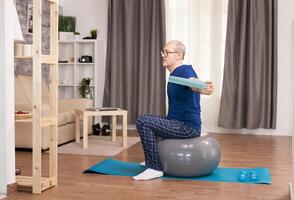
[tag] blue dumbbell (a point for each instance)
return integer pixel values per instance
(243, 176)
(253, 176)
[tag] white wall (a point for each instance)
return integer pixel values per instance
(285, 67)
(91, 14)
(3, 156)
(7, 144)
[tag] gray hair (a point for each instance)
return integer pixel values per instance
(180, 47)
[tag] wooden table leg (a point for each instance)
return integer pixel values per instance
(113, 128)
(78, 126)
(125, 129)
(85, 131)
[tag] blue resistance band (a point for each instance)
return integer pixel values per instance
(193, 83)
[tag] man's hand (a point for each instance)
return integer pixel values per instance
(208, 89)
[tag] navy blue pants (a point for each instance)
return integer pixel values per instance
(151, 127)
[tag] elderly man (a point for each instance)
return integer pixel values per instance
(183, 119)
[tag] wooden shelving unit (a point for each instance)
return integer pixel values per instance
(37, 182)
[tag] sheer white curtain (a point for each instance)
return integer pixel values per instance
(201, 26)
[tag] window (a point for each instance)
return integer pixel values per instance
(201, 26)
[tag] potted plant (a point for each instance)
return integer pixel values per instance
(77, 35)
(85, 89)
(66, 27)
(94, 33)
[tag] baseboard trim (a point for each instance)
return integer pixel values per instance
(11, 188)
(260, 131)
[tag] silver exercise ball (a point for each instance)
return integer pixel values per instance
(189, 157)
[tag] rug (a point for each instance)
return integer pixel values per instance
(97, 146)
(221, 174)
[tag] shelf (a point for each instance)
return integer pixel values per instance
(77, 41)
(46, 59)
(52, 1)
(85, 63)
(86, 41)
(36, 182)
(45, 121)
(73, 85)
(27, 182)
(66, 64)
(66, 41)
(74, 72)
(66, 85)
(23, 57)
(76, 63)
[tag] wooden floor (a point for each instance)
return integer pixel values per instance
(237, 151)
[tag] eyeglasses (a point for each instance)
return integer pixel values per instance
(166, 53)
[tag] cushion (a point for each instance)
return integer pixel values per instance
(66, 118)
(23, 90)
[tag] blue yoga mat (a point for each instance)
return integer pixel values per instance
(242, 175)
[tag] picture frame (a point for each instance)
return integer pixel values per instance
(30, 19)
